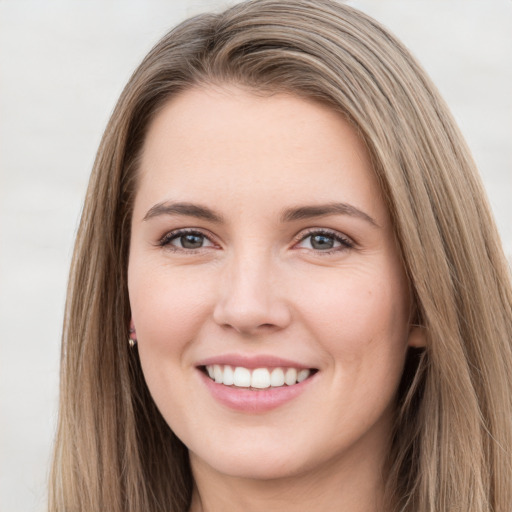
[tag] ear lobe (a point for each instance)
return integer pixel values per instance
(417, 337)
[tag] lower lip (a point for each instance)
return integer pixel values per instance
(254, 401)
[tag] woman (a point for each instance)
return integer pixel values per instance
(285, 222)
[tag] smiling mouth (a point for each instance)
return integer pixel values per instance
(257, 378)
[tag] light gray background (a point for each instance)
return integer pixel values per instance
(62, 66)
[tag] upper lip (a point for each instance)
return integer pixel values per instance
(253, 361)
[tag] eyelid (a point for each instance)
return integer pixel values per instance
(169, 236)
(345, 241)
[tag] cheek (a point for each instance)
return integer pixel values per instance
(168, 311)
(168, 308)
(361, 318)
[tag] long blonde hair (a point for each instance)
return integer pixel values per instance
(453, 434)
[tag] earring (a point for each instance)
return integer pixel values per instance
(132, 341)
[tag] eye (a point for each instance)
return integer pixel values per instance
(324, 241)
(186, 240)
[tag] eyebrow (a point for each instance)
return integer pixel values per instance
(188, 209)
(288, 215)
(309, 212)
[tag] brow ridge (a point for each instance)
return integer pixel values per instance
(288, 215)
(312, 211)
(183, 208)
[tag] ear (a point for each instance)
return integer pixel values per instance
(132, 329)
(417, 337)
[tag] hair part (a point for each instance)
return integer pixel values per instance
(453, 434)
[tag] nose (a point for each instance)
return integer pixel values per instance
(251, 298)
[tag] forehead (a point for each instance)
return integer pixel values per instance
(231, 143)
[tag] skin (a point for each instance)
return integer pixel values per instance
(258, 285)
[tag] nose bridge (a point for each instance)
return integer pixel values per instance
(249, 299)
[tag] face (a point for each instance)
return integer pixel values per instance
(271, 309)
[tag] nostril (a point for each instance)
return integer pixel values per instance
(250, 329)
(250, 309)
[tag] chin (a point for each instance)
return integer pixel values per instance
(258, 461)
(270, 469)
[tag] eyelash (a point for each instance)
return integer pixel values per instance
(166, 240)
(345, 242)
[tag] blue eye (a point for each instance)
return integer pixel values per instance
(188, 240)
(324, 241)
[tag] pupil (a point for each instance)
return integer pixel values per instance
(322, 242)
(191, 241)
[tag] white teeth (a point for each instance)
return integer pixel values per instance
(290, 377)
(217, 373)
(277, 378)
(242, 377)
(259, 378)
(228, 376)
(302, 375)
